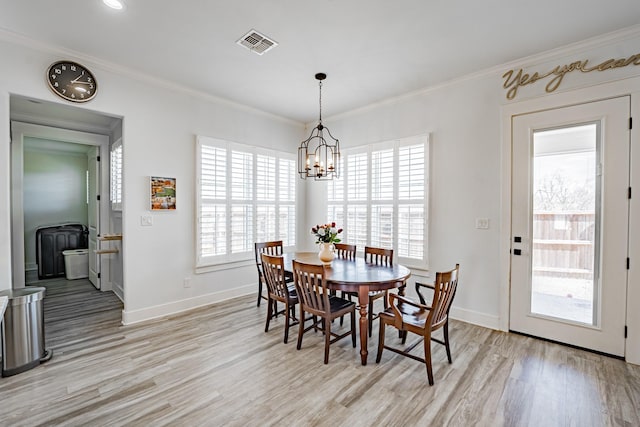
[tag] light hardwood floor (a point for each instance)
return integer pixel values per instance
(216, 366)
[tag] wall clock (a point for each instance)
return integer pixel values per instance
(72, 81)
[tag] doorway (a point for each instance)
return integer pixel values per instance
(92, 147)
(570, 224)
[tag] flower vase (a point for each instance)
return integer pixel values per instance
(326, 254)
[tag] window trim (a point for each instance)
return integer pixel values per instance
(230, 259)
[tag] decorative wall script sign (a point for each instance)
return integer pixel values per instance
(514, 80)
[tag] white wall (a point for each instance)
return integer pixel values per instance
(160, 124)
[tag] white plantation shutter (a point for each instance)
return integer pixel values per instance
(241, 228)
(265, 223)
(335, 213)
(382, 175)
(287, 181)
(244, 195)
(357, 182)
(213, 173)
(241, 175)
(356, 226)
(336, 186)
(116, 175)
(213, 230)
(386, 198)
(411, 231)
(411, 172)
(382, 226)
(287, 225)
(265, 178)
(286, 198)
(412, 201)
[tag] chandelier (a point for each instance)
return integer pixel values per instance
(318, 158)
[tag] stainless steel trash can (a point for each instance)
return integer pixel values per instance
(23, 331)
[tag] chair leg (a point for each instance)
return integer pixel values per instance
(353, 328)
(300, 328)
(327, 340)
(380, 341)
(370, 316)
(259, 291)
(445, 330)
(402, 334)
(286, 322)
(269, 315)
(344, 295)
(427, 358)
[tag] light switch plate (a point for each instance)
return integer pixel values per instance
(146, 220)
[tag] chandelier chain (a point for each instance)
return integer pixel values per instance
(320, 100)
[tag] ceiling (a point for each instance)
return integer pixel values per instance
(371, 50)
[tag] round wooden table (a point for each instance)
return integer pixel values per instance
(355, 276)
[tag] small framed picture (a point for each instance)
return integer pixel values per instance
(163, 193)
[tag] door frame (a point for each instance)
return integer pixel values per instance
(19, 130)
(627, 87)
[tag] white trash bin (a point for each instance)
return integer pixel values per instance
(76, 263)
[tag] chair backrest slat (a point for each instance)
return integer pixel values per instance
(273, 270)
(309, 279)
(345, 251)
(445, 286)
(273, 248)
(379, 256)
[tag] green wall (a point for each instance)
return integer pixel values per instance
(55, 190)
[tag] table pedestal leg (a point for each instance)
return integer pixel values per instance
(364, 333)
(363, 303)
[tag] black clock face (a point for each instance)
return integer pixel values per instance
(72, 81)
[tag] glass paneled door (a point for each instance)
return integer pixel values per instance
(569, 224)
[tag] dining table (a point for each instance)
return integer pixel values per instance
(356, 276)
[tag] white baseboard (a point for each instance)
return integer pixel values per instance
(130, 317)
(476, 318)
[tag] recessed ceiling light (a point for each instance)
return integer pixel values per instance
(114, 4)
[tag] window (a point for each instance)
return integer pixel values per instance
(245, 195)
(381, 198)
(116, 175)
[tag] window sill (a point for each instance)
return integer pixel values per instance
(230, 265)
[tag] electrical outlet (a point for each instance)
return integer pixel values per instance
(187, 282)
(146, 220)
(482, 223)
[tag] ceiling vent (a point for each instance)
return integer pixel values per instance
(256, 42)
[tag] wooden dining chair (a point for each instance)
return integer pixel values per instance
(378, 256)
(274, 248)
(345, 251)
(421, 319)
(348, 252)
(316, 300)
(278, 290)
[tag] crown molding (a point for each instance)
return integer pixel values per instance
(28, 42)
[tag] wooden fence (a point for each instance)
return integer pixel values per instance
(563, 244)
